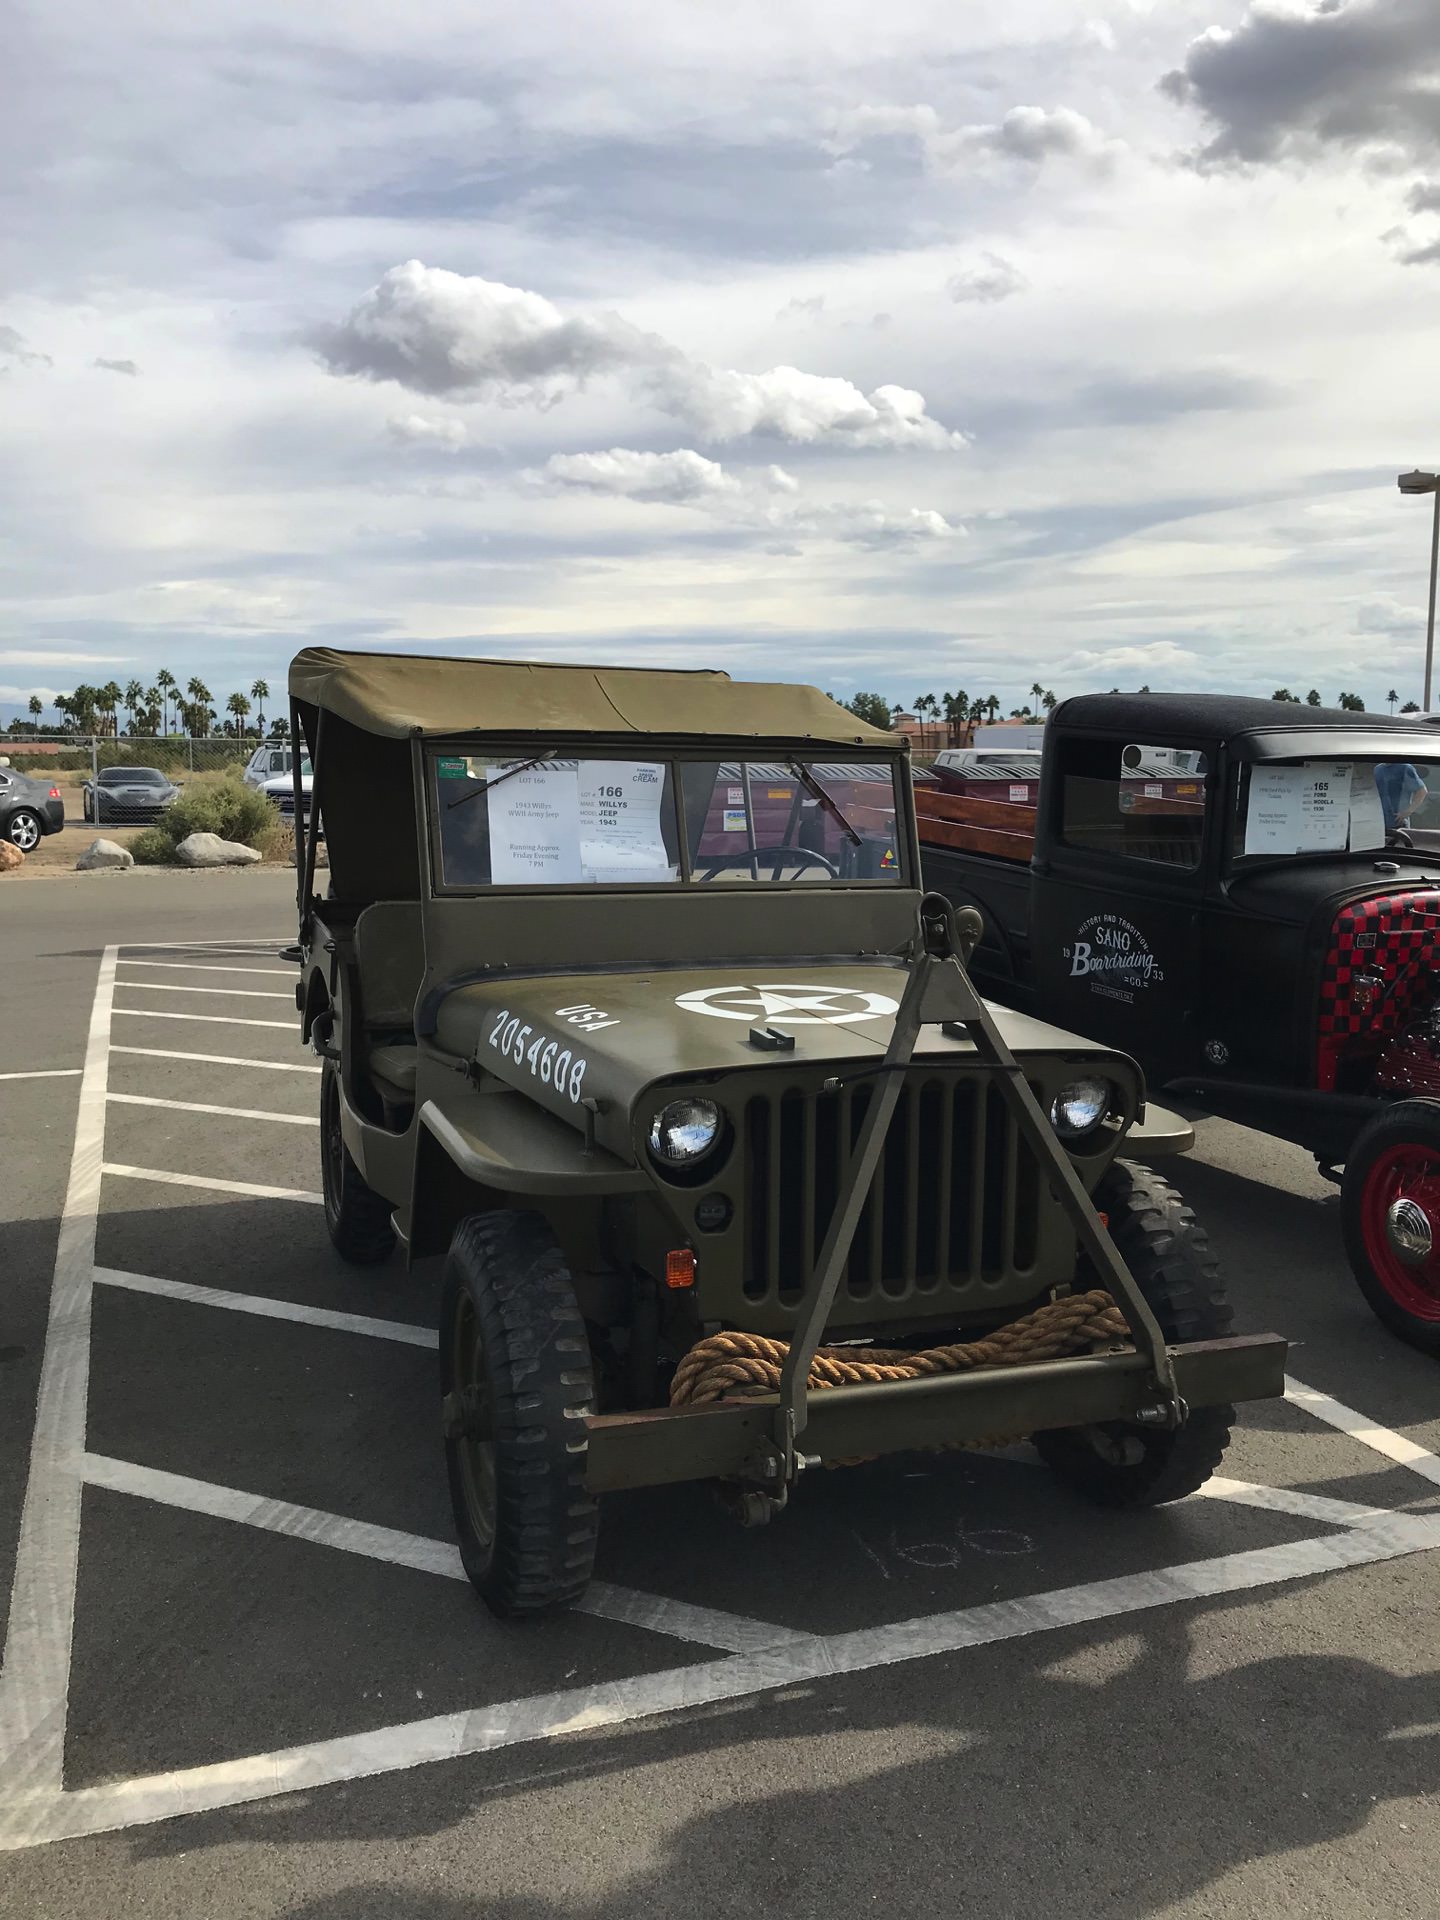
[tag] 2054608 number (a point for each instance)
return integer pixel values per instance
(550, 1063)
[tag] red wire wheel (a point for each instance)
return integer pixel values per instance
(1391, 1206)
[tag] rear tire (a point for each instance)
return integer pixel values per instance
(517, 1383)
(1396, 1159)
(1121, 1464)
(23, 829)
(357, 1218)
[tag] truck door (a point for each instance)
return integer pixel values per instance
(1118, 891)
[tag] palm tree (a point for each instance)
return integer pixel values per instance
(1037, 689)
(1392, 697)
(168, 685)
(1312, 698)
(107, 699)
(239, 706)
(1049, 700)
(134, 694)
(260, 693)
(200, 696)
(991, 704)
(37, 706)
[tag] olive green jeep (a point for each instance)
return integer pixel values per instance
(632, 1006)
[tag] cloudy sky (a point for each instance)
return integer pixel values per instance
(900, 347)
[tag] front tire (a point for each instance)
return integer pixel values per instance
(1121, 1464)
(356, 1217)
(517, 1387)
(1390, 1215)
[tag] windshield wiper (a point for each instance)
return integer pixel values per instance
(813, 787)
(522, 766)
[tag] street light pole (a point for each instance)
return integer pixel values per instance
(1422, 482)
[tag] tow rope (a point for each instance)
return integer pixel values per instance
(744, 1366)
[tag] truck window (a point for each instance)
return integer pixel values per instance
(1134, 800)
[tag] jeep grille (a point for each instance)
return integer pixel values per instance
(953, 1205)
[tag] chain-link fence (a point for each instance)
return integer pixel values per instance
(103, 776)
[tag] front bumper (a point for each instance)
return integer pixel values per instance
(663, 1445)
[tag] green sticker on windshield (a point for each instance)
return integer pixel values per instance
(452, 769)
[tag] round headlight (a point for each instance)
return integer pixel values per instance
(1080, 1107)
(684, 1131)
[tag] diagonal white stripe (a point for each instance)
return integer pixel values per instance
(207, 1185)
(222, 1059)
(201, 966)
(1395, 1446)
(225, 993)
(264, 1309)
(215, 1019)
(200, 1106)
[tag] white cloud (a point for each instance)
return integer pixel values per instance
(986, 279)
(1025, 133)
(765, 499)
(115, 366)
(682, 478)
(60, 656)
(418, 429)
(17, 351)
(439, 332)
(1159, 657)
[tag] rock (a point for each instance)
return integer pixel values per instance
(11, 858)
(209, 850)
(322, 858)
(103, 854)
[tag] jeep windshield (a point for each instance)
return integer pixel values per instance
(562, 820)
(1290, 807)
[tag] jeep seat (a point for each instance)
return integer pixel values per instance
(394, 1067)
(390, 965)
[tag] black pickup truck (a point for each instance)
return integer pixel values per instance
(1239, 894)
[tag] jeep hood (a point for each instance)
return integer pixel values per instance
(633, 1028)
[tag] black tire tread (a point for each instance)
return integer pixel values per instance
(357, 1218)
(1169, 1254)
(542, 1389)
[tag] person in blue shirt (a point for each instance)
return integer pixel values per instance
(1402, 792)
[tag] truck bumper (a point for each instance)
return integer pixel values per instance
(662, 1445)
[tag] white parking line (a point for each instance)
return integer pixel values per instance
(200, 966)
(43, 1073)
(674, 1618)
(509, 1723)
(35, 1678)
(1304, 1506)
(257, 1304)
(215, 1019)
(221, 1059)
(200, 1106)
(1394, 1446)
(226, 993)
(249, 1188)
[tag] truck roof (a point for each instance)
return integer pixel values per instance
(395, 695)
(1271, 729)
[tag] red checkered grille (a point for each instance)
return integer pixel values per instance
(1395, 937)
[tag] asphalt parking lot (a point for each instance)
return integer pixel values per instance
(243, 1676)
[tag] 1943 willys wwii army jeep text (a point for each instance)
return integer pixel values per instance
(1244, 894)
(631, 1006)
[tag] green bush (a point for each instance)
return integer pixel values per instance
(211, 803)
(153, 848)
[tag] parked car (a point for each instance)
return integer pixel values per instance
(1238, 893)
(269, 760)
(29, 809)
(128, 796)
(280, 792)
(627, 994)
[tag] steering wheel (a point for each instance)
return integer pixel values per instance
(801, 856)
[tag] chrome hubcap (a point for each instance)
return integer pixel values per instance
(1408, 1228)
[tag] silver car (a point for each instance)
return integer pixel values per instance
(128, 796)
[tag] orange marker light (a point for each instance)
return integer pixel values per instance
(680, 1267)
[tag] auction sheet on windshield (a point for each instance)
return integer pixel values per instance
(557, 823)
(1304, 809)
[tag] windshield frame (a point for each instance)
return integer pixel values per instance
(707, 752)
